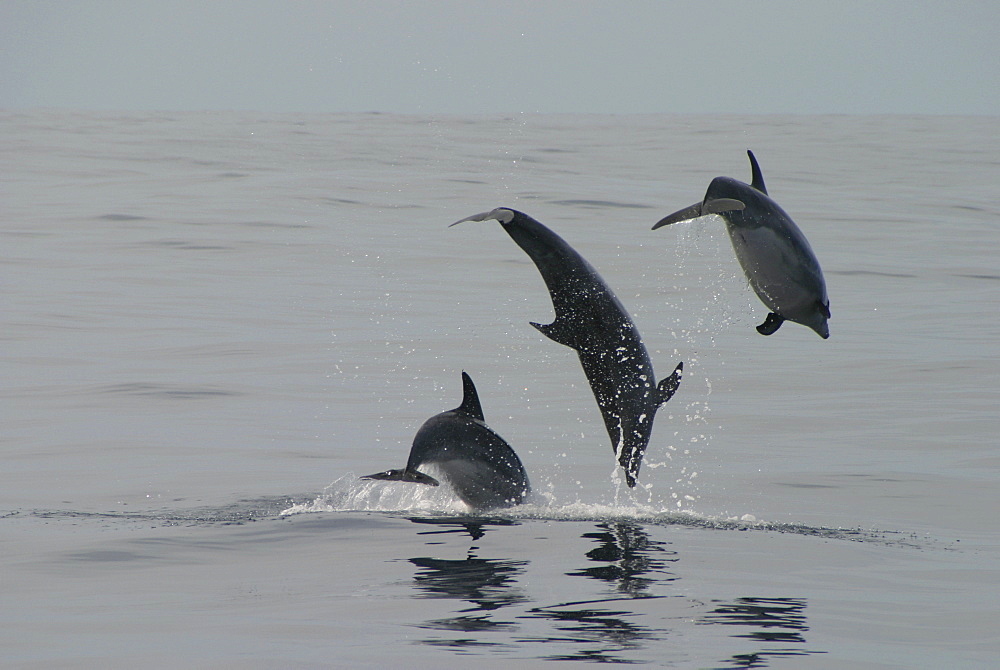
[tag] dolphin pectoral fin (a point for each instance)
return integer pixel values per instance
(666, 389)
(721, 205)
(403, 475)
(771, 324)
(556, 332)
(686, 214)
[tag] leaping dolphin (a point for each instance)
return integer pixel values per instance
(478, 464)
(776, 257)
(591, 320)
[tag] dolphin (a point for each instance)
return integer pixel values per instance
(776, 257)
(591, 320)
(478, 464)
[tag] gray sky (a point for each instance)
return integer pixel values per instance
(498, 56)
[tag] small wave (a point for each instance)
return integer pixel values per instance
(121, 217)
(979, 276)
(166, 391)
(872, 273)
(600, 204)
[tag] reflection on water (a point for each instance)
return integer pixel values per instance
(625, 615)
(627, 553)
(486, 584)
(475, 528)
(783, 619)
(599, 634)
(768, 621)
(603, 628)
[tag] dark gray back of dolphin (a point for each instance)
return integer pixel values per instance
(774, 254)
(478, 464)
(591, 320)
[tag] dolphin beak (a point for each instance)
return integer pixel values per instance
(403, 475)
(686, 214)
(482, 216)
(501, 214)
(717, 206)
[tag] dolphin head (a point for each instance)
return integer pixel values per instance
(816, 318)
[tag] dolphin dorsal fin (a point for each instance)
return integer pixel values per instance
(470, 399)
(757, 179)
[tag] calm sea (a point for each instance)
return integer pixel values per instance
(214, 322)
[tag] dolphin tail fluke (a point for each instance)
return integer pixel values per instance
(470, 399)
(403, 475)
(557, 333)
(666, 389)
(771, 324)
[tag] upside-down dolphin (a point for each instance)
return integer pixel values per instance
(775, 255)
(478, 464)
(591, 320)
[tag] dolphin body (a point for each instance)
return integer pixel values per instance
(478, 464)
(591, 320)
(776, 257)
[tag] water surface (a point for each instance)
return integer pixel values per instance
(211, 319)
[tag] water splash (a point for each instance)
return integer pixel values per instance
(350, 494)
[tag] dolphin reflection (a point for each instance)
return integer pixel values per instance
(629, 554)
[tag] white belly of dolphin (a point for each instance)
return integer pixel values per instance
(775, 270)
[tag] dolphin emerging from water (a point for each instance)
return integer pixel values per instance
(591, 320)
(478, 464)
(775, 255)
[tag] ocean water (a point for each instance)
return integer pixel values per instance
(213, 323)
